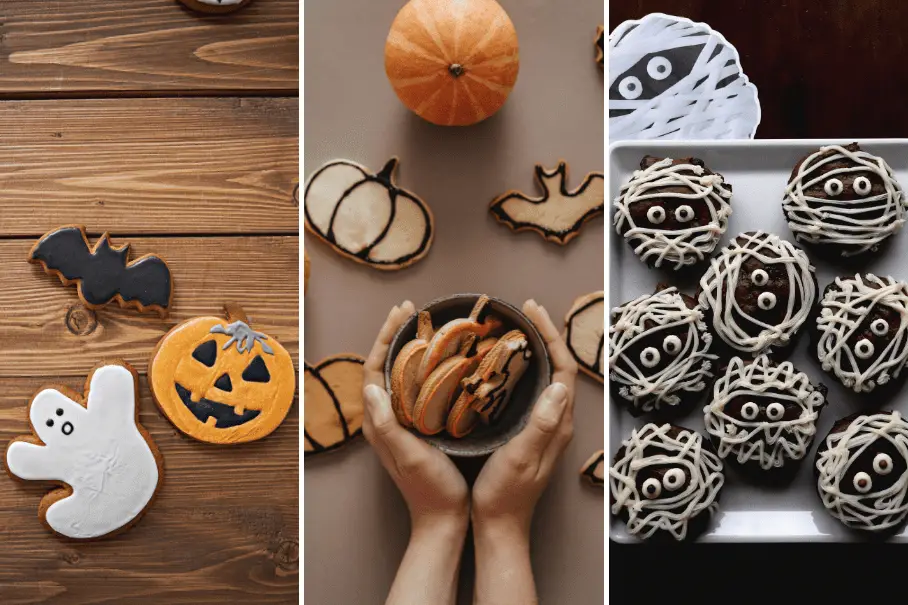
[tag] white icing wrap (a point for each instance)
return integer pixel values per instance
(679, 247)
(719, 284)
(873, 510)
(96, 450)
(845, 311)
(673, 509)
(756, 436)
(688, 369)
(827, 220)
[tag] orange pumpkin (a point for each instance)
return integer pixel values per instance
(452, 62)
(220, 381)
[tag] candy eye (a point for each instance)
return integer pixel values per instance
(630, 87)
(656, 215)
(882, 464)
(684, 214)
(862, 482)
(750, 411)
(863, 349)
(766, 301)
(879, 327)
(775, 411)
(673, 479)
(650, 357)
(759, 277)
(671, 344)
(834, 187)
(862, 185)
(652, 488)
(659, 68)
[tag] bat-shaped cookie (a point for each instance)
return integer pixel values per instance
(558, 214)
(102, 273)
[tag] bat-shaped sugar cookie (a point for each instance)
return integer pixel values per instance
(102, 273)
(558, 214)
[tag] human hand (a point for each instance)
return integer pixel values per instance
(435, 491)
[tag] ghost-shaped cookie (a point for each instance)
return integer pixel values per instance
(665, 479)
(862, 471)
(673, 211)
(762, 413)
(105, 460)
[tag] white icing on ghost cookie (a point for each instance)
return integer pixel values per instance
(830, 220)
(719, 285)
(666, 499)
(97, 450)
(853, 306)
(656, 244)
(857, 503)
(777, 420)
(644, 381)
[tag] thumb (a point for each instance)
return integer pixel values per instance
(545, 419)
(378, 406)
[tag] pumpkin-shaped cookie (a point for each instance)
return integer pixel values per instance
(220, 381)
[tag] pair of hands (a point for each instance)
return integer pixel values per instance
(514, 477)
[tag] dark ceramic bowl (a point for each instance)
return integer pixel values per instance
(484, 439)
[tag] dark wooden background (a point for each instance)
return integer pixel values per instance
(178, 133)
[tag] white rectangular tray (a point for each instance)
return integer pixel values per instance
(758, 172)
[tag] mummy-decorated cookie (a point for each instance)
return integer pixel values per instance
(665, 479)
(762, 413)
(673, 211)
(95, 448)
(659, 351)
(759, 291)
(862, 471)
(333, 400)
(671, 78)
(585, 333)
(559, 213)
(861, 332)
(844, 199)
(215, 6)
(366, 217)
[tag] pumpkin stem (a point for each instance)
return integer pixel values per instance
(235, 312)
(456, 70)
(387, 171)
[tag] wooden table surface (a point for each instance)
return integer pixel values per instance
(178, 133)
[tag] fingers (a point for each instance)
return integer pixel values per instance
(545, 424)
(374, 367)
(395, 446)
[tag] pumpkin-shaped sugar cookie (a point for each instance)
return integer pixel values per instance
(220, 381)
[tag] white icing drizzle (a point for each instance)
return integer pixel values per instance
(685, 246)
(690, 366)
(770, 442)
(844, 308)
(672, 512)
(809, 216)
(871, 510)
(719, 283)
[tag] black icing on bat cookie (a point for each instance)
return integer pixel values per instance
(102, 273)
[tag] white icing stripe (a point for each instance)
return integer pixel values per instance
(677, 504)
(682, 246)
(817, 220)
(690, 365)
(872, 510)
(719, 284)
(771, 443)
(844, 309)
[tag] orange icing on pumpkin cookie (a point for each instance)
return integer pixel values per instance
(449, 339)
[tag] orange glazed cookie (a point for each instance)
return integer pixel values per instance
(430, 414)
(404, 383)
(333, 400)
(462, 418)
(449, 339)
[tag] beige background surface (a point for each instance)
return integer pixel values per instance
(356, 524)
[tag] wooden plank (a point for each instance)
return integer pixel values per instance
(46, 331)
(82, 46)
(223, 528)
(149, 165)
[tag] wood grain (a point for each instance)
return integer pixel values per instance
(69, 47)
(149, 166)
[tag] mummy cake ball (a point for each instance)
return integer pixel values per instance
(861, 332)
(844, 200)
(862, 471)
(760, 290)
(665, 481)
(659, 351)
(762, 414)
(673, 211)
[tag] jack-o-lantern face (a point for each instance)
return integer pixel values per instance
(220, 381)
